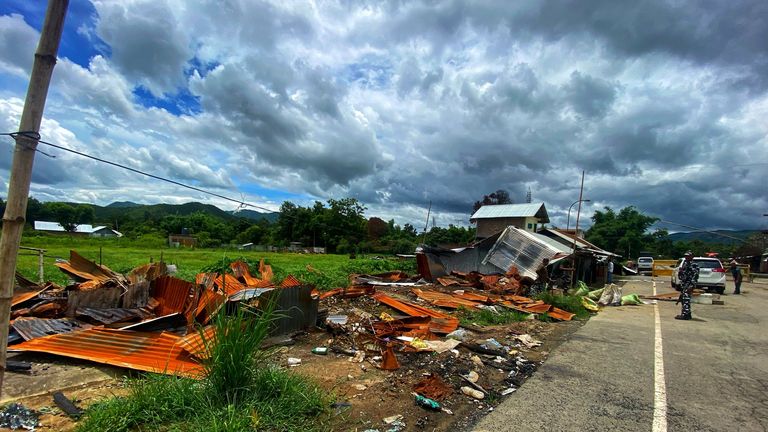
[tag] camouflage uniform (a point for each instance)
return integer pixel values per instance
(689, 276)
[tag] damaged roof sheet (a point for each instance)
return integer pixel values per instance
(173, 294)
(149, 352)
(84, 269)
(32, 328)
(440, 322)
(519, 248)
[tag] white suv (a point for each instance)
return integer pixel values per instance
(711, 274)
(644, 264)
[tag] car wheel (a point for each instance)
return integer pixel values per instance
(720, 290)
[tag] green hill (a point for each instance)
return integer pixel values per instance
(718, 236)
(254, 215)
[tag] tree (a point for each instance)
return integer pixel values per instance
(66, 215)
(625, 233)
(376, 228)
(499, 197)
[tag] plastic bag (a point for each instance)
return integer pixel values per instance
(589, 304)
(595, 295)
(631, 299)
(611, 296)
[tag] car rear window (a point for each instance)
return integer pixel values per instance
(708, 264)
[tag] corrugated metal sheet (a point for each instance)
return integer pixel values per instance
(294, 306)
(440, 322)
(511, 211)
(32, 328)
(208, 303)
(83, 269)
(241, 271)
(173, 295)
(112, 315)
(150, 352)
(148, 272)
(444, 300)
(195, 342)
(519, 248)
(290, 281)
(228, 284)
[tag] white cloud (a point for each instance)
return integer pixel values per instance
(398, 104)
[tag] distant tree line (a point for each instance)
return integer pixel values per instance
(628, 232)
(337, 225)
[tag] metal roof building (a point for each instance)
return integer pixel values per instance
(492, 219)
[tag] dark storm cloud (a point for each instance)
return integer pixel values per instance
(402, 103)
(591, 97)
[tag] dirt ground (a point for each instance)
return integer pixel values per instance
(364, 394)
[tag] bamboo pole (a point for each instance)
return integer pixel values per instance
(23, 159)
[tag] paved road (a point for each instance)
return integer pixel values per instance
(603, 379)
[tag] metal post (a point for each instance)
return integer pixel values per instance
(576, 231)
(41, 277)
(23, 159)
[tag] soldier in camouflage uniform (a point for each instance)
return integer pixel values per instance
(688, 275)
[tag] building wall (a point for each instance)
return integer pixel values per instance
(489, 227)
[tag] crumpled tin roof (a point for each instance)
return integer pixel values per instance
(519, 248)
(149, 352)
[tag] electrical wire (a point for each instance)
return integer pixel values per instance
(36, 136)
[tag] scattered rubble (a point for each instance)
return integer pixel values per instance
(406, 325)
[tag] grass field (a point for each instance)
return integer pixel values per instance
(122, 255)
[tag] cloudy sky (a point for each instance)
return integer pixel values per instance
(663, 104)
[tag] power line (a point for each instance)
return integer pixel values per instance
(704, 230)
(36, 136)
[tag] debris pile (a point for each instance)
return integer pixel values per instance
(143, 320)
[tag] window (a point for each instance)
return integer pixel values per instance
(530, 226)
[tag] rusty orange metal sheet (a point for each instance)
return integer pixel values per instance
(447, 281)
(228, 284)
(444, 300)
(290, 281)
(441, 323)
(206, 280)
(560, 314)
(209, 301)
(149, 352)
(22, 297)
(172, 294)
(84, 269)
(195, 343)
(266, 271)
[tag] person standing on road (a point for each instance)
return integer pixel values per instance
(688, 274)
(610, 271)
(736, 272)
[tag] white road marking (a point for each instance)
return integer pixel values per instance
(660, 389)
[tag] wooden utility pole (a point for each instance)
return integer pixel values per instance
(23, 159)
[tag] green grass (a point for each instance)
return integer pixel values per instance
(122, 255)
(240, 391)
(487, 318)
(568, 303)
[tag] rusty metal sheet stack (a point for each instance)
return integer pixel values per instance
(146, 321)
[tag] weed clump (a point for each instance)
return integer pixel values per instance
(240, 390)
(486, 317)
(570, 303)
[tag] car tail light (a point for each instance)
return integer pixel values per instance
(718, 270)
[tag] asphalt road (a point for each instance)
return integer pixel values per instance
(603, 378)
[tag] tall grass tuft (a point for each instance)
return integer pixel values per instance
(234, 354)
(241, 390)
